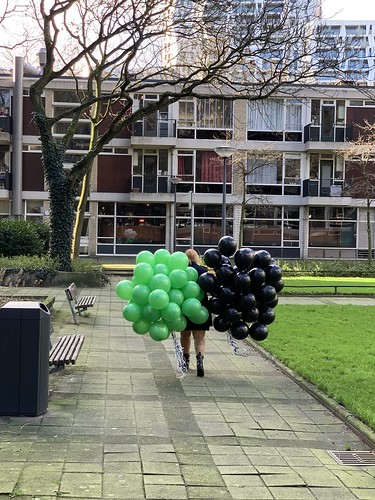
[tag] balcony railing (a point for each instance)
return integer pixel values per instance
(323, 133)
(6, 123)
(324, 187)
(154, 128)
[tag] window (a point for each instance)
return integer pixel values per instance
(275, 120)
(268, 226)
(214, 113)
(332, 227)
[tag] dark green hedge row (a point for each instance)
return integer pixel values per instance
(22, 237)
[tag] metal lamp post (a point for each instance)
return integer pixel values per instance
(224, 152)
(174, 181)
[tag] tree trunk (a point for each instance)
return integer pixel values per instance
(61, 195)
(369, 234)
(80, 216)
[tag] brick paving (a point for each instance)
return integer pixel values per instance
(122, 425)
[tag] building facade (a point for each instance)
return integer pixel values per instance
(160, 184)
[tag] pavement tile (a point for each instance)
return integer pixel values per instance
(122, 426)
(122, 485)
(81, 485)
(159, 492)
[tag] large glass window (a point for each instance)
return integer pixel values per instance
(205, 119)
(275, 120)
(332, 227)
(124, 224)
(266, 226)
(278, 174)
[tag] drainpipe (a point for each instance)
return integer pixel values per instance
(17, 115)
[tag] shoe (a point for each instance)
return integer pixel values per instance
(200, 369)
(187, 360)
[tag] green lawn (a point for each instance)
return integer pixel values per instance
(331, 346)
(318, 285)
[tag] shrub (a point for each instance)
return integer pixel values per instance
(19, 237)
(44, 233)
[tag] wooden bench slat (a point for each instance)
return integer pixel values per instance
(66, 350)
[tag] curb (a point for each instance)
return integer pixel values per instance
(366, 434)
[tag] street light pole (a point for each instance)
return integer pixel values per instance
(224, 152)
(174, 181)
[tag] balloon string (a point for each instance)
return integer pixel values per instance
(181, 367)
(237, 350)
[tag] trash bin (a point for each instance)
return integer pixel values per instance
(24, 358)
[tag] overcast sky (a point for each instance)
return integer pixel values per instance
(356, 10)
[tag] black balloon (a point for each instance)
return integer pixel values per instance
(242, 282)
(226, 295)
(262, 259)
(225, 274)
(257, 276)
(279, 285)
(208, 282)
(258, 331)
(220, 324)
(247, 302)
(214, 305)
(273, 302)
(227, 246)
(265, 294)
(250, 315)
(212, 258)
(266, 315)
(239, 330)
(232, 315)
(225, 260)
(243, 258)
(273, 274)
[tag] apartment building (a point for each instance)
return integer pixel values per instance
(160, 184)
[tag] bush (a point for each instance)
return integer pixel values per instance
(19, 237)
(349, 268)
(44, 233)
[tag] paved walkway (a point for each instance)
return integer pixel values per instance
(121, 425)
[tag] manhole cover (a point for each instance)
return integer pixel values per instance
(353, 457)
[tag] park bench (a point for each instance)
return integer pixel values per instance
(78, 303)
(66, 350)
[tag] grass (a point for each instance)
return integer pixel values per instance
(331, 346)
(310, 285)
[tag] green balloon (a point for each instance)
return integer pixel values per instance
(176, 296)
(143, 273)
(201, 317)
(171, 312)
(191, 307)
(192, 273)
(140, 294)
(150, 314)
(124, 289)
(178, 260)
(178, 325)
(200, 294)
(191, 289)
(178, 278)
(158, 299)
(161, 282)
(132, 312)
(141, 326)
(162, 256)
(161, 269)
(159, 331)
(145, 256)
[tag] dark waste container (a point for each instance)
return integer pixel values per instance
(24, 358)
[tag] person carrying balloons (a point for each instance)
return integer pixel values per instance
(198, 331)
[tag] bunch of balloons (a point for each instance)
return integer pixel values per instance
(243, 293)
(162, 293)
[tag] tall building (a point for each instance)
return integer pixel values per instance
(289, 189)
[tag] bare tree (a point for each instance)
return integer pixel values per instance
(359, 157)
(175, 48)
